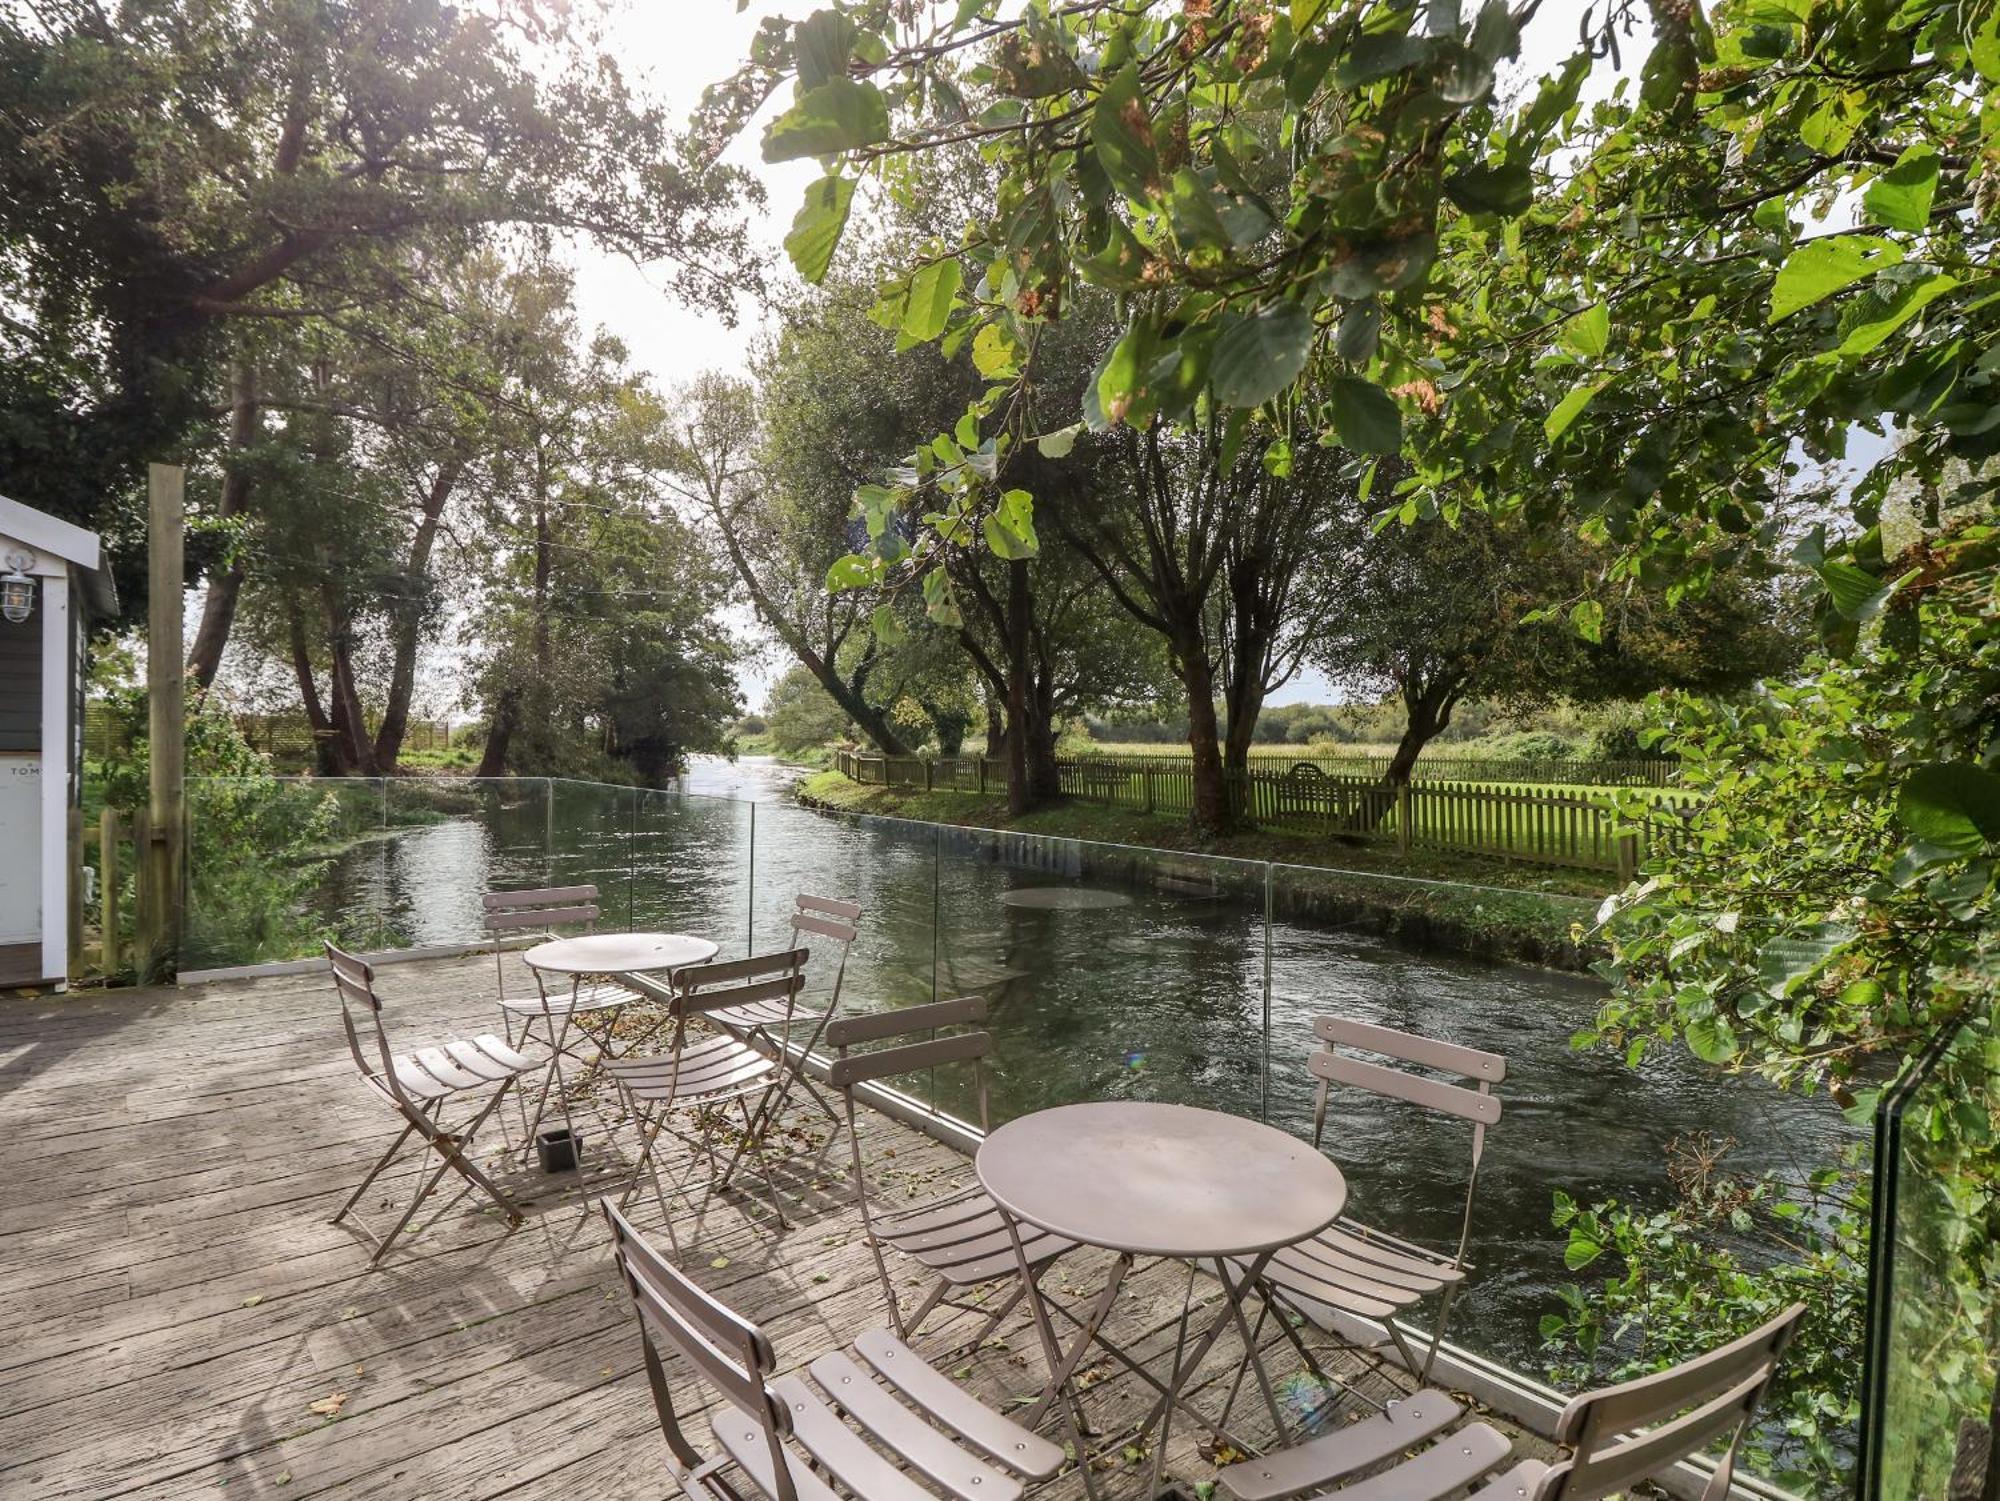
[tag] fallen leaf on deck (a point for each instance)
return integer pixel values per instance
(720, 1262)
(253, 1300)
(329, 1406)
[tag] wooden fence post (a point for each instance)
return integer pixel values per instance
(930, 776)
(1628, 858)
(982, 774)
(108, 877)
(1403, 817)
(1147, 805)
(166, 681)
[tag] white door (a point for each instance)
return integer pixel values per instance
(20, 849)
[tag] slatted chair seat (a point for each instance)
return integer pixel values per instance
(473, 1074)
(604, 995)
(967, 1241)
(963, 1238)
(876, 1420)
(707, 1074)
(1618, 1437)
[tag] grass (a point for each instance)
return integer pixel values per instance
(1536, 914)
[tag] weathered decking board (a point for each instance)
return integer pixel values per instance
(175, 1300)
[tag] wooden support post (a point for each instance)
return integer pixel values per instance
(75, 935)
(982, 776)
(108, 876)
(1403, 817)
(930, 771)
(1628, 858)
(158, 957)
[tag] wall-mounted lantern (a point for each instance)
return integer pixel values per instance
(17, 588)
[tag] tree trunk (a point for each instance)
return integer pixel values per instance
(1211, 786)
(1428, 712)
(327, 748)
(996, 727)
(506, 713)
(1044, 774)
(406, 617)
(349, 722)
(1020, 795)
(218, 605)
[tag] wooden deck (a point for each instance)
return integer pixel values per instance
(182, 1321)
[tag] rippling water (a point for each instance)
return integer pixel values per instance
(1151, 986)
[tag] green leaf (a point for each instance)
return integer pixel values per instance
(1901, 197)
(932, 292)
(839, 115)
(1950, 805)
(1984, 46)
(1123, 136)
(1911, 300)
(1364, 415)
(1260, 355)
(1820, 268)
(1359, 332)
(1711, 1040)
(1192, 208)
(1571, 407)
(818, 225)
(1581, 1251)
(1589, 332)
(888, 629)
(1505, 189)
(1784, 964)
(1586, 618)
(1856, 594)
(1010, 527)
(994, 352)
(1378, 56)
(851, 572)
(822, 43)
(1056, 445)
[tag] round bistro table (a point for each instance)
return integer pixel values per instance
(1146, 1180)
(612, 956)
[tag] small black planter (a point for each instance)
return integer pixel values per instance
(558, 1149)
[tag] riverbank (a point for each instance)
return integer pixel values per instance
(1488, 909)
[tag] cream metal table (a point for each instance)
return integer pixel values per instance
(1170, 1181)
(606, 956)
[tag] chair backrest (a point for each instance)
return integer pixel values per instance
(361, 1012)
(1333, 1062)
(730, 1353)
(935, 1043)
(829, 918)
(1623, 1434)
(542, 909)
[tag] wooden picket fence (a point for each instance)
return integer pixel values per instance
(1542, 826)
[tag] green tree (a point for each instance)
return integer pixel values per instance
(173, 170)
(1438, 614)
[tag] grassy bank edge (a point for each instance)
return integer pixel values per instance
(1485, 909)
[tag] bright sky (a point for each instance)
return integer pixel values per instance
(675, 49)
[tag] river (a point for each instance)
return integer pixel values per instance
(1116, 974)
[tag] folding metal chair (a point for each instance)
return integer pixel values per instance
(419, 1086)
(823, 917)
(544, 911)
(1354, 1268)
(561, 1018)
(961, 1237)
(875, 1419)
(709, 1071)
(1618, 1436)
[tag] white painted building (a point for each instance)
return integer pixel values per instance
(52, 581)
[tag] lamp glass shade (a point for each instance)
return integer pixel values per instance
(17, 596)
